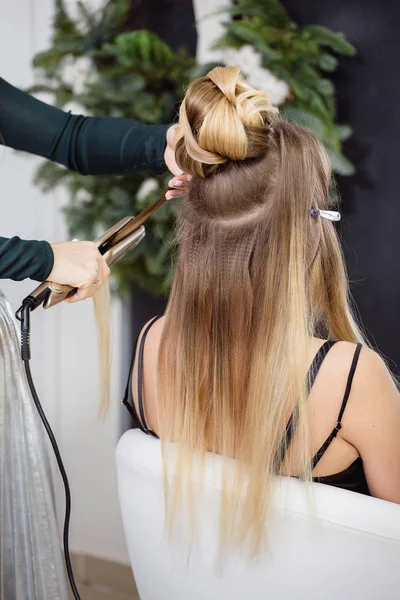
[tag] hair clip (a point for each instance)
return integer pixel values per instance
(331, 215)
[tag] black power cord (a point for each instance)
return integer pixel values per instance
(23, 315)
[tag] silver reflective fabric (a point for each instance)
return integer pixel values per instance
(31, 561)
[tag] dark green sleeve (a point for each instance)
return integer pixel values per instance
(89, 145)
(22, 259)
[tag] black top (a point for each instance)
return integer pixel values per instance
(353, 478)
(88, 145)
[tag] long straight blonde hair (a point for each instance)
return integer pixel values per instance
(102, 311)
(255, 277)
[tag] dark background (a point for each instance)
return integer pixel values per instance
(368, 89)
(369, 100)
(172, 20)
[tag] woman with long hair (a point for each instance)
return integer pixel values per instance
(258, 356)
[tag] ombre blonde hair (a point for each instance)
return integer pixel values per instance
(102, 311)
(255, 277)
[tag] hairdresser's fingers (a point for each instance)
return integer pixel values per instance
(179, 186)
(96, 282)
(169, 154)
(102, 274)
(179, 181)
(174, 194)
(75, 263)
(86, 291)
(104, 268)
(80, 294)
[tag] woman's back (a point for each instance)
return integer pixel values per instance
(348, 386)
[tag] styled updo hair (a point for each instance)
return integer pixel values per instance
(222, 119)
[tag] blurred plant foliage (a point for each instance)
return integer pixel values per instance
(303, 57)
(96, 67)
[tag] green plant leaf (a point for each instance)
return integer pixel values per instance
(325, 87)
(251, 37)
(86, 15)
(306, 119)
(330, 39)
(343, 132)
(327, 62)
(340, 164)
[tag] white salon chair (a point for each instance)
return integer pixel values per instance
(328, 545)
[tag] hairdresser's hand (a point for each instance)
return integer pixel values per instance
(79, 265)
(180, 185)
(180, 181)
(169, 154)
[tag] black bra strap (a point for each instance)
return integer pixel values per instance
(140, 374)
(317, 362)
(125, 401)
(350, 381)
(311, 377)
(338, 425)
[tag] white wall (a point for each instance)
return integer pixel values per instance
(64, 360)
(209, 15)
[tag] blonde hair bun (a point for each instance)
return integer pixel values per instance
(222, 118)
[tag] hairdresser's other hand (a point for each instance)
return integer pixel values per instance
(179, 185)
(79, 265)
(169, 154)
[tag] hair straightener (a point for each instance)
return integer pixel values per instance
(113, 245)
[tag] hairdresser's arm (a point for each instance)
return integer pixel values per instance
(371, 423)
(89, 145)
(78, 264)
(22, 259)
